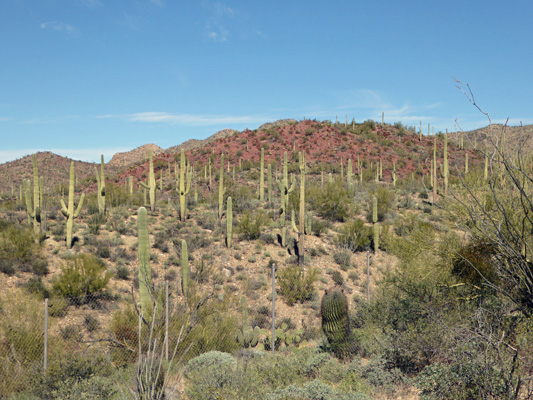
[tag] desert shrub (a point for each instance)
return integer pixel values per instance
(122, 272)
(342, 256)
(85, 275)
(332, 202)
(35, 285)
(94, 223)
(250, 224)
(19, 250)
(210, 374)
(337, 278)
(161, 242)
(75, 377)
(296, 284)
(91, 323)
(355, 235)
(473, 264)
(314, 390)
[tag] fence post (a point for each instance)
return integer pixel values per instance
(166, 319)
(368, 275)
(45, 335)
(273, 306)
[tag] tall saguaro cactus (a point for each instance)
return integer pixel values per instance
(262, 177)
(151, 182)
(229, 222)
(69, 212)
(300, 230)
(284, 189)
(184, 186)
(145, 271)
(269, 183)
(34, 210)
(100, 180)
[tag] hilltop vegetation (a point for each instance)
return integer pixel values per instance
(402, 268)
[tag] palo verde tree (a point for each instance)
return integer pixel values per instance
(499, 215)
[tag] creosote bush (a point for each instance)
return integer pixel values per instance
(296, 284)
(84, 275)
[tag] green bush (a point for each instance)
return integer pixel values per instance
(355, 235)
(210, 375)
(314, 390)
(250, 224)
(342, 256)
(296, 284)
(332, 202)
(19, 250)
(83, 276)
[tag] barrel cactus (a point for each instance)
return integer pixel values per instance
(335, 320)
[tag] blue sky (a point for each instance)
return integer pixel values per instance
(86, 77)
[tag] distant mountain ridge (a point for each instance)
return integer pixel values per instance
(124, 159)
(323, 142)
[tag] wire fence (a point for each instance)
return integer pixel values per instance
(36, 337)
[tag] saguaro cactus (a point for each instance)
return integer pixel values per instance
(349, 175)
(262, 177)
(221, 188)
(269, 183)
(300, 230)
(151, 182)
(229, 222)
(100, 180)
(184, 269)
(145, 271)
(284, 194)
(184, 186)
(34, 210)
(69, 212)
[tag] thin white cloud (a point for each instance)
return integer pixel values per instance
(188, 119)
(88, 155)
(159, 3)
(59, 27)
(216, 32)
(222, 10)
(4, 119)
